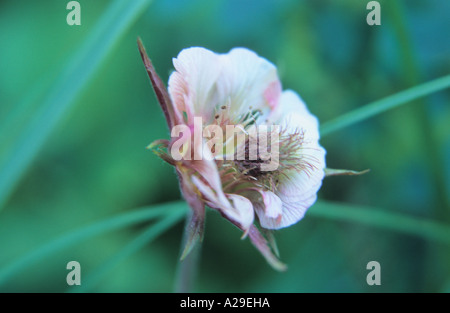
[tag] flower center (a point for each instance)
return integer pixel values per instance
(286, 153)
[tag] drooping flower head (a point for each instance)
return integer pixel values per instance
(239, 143)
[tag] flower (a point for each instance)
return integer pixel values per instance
(270, 174)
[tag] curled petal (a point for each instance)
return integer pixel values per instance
(241, 212)
(297, 195)
(270, 210)
(272, 204)
(192, 85)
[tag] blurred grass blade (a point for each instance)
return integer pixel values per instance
(398, 222)
(138, 243)
(74, 77)
(74, 237)
(385, 104)
(22, 112)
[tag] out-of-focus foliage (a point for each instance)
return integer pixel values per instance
(95, 165)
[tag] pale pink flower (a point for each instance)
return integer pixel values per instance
(240, 88)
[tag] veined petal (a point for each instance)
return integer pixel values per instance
(294, 212)
(288, 205)
(291, 103)
(270, 211)
(297, 189)
(298, 186)
(192, 85)
(272, 204)
(293, 114)
(248, 81)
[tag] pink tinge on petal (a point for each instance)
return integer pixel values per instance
(270, 211)
(272, 204)
(245, 79)
(206, 166)
(291, 214)
(242, 211)
(289, 103)
(239, 211)
(272, 93)
(192, 86)
(189, 192)
(210, 195)
(178, 90)
(209, 172)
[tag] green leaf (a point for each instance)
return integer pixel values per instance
(398, 222)
(74, 237)
(73, 78)
(383, 105)
(138, 243)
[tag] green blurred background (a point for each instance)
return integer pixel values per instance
(94, 164)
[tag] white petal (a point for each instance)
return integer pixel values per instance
(192, 85)
(248, 80)
(298, 192)
(270, 211)
(298, 189)
(290, 104)
(204, 81)
(208, 170)
(294, 212)
(239, 210)
(242, 212)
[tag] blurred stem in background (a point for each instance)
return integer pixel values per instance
(145, 238)
(438, 255)
(412, 77)
(174, 210)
